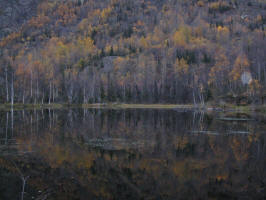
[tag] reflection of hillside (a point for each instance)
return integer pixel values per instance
(192, 165)
(94, 156)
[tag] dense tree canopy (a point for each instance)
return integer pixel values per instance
(178, 51)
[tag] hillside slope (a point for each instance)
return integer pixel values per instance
(132, 51)
(13, 13)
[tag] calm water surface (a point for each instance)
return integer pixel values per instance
(131, 154)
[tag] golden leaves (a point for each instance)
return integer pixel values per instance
(220, 69)
(106, 13)
(13, 37)
(254, 87)
(182, 36)
(143, 42)
(39, 21)
(200, 3)
(181, 66)
(222, 29)
(222, 33)
(241, 65)
(67, 14)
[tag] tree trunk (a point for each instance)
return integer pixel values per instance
(31, 84)
(42, 96)
(124, 93)
(6, 127)
(12, 120)
(37, 91)
(24, 180)
(202, 99)
(194, 100)
(12, 90)
(50, 92)
(23, 97)
(7, 95)
(53, 93)
(259, 72)
(264, 71)
(84, 94)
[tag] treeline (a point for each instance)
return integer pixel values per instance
(137, 51)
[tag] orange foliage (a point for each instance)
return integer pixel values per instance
(241, 65)
(39, 21)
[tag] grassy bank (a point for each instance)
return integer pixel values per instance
(30, 106)
(138, 106)
(208, 107)
(243, 109)
(96, 105)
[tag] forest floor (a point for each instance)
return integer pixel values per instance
(208, 107)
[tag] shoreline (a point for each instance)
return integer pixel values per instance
(206, 108)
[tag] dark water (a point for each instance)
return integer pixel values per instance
(131, 154)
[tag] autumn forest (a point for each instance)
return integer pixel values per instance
(133, 51)
(132, 99)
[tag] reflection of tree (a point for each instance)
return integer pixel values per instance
(173, 163)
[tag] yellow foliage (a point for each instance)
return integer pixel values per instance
(198, 42)
(221, 177)
(83, 25)
(181, 66)
(86, 45)
(239, 150)
(219, 5)
(198, 31)
(39, 21)
(182, 36)
(143, 42)
(254, 87)
(200, 3)
(214, 5)
(179, 39)
(62, 50)
(67, 14)
(118, 62)
(259, 19)
(220, 68)
(30, 57)
(20, 70)
(115, 48)
(241, 65)
(45, 7)
(13, 37)
(108, 48)
(223, 30)
(94, 14)
(178, 168)
(106, 13)
(157, 36)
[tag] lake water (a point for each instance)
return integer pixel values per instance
(131, 154)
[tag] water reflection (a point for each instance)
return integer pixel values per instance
(131, 154)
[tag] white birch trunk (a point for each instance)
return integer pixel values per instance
(7, 94)
(194, 100)
(53, 92)
(37, 91)
(84, 94)
(12, 90)
(6, 127)
(50, 92)
(31, 83)
(12, 120)
(23, 96)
